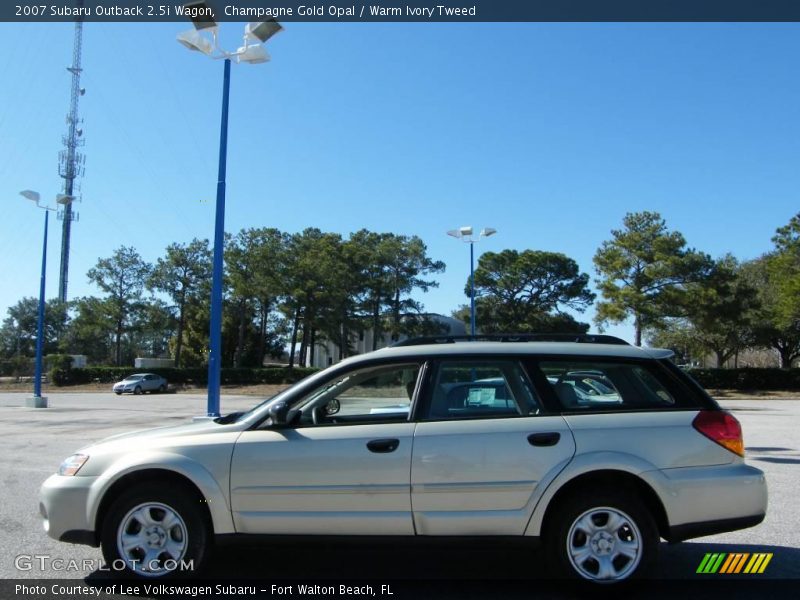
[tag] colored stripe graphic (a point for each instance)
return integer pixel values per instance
(724, 563)
(711, 562)
(703, 563)
(758, 563)
(729, 562)
(740, 563)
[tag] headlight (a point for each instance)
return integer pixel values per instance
(73, 464)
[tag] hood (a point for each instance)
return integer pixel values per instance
(144, 436)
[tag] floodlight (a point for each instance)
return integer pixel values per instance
(200, 14)
(30, 195)
(487, 231)
(262, 31)
(64, 199)
(455, 233)
(193, 40)
(252, 54)
(465, 231)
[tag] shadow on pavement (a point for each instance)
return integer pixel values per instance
(476, 569)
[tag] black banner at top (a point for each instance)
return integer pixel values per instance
(401, 10)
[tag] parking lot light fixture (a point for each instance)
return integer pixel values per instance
(194, 40)
(466, 235)
(37, 400)
(252, 53)
(262, 31)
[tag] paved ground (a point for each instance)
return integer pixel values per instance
(33, 442)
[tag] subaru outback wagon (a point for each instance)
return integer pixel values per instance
(595, 448)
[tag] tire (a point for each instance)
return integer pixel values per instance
(162, 389)
(603, 536)
(118, 393)
(137, 391)
(140, 514)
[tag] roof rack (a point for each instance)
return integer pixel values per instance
(580, 338)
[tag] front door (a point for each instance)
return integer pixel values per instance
(342, 468)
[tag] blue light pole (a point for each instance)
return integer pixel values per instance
(252, 53)
(465, 234)
(472, 288)
(215, 332)
(37, 401)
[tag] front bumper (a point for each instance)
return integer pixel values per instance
(64, 506)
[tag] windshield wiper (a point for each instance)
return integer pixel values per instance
(229, 418)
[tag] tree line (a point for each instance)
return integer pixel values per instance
(676, 296)
(291, 291)
(281, 290)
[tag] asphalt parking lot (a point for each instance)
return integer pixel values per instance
(34, 441)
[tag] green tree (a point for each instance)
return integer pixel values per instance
(643, 270)
(122, 278)
(389, 268)
(19, 329)
(90, 330)
(528, 291)
(773, 326)
(784, 272)
(255, 261)
(317, 278)
(154, 328)
(182, 274)
(718, 313)
(679, 336)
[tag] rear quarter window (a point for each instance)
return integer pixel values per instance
(586, 385)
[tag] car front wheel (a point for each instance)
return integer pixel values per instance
(152, 533)
(602, 536)
(137, 390)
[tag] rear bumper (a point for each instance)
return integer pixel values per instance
(702, 501)
(687, 531)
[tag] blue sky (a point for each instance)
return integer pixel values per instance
(549, 133)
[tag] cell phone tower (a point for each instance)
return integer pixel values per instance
(70, 159)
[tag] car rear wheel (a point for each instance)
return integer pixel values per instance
(153, 533)
(603, 536)
(162, 388)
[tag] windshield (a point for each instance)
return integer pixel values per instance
(133, 378)
(279, 396)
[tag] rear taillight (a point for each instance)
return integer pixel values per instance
(720, 427)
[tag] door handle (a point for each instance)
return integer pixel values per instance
(383, 446)
(544, 439)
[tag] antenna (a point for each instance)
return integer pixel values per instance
(70, 159)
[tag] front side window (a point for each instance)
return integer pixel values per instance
(469, 389)
(589, 385)
(367, 395)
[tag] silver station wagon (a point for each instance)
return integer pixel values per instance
(594, 448)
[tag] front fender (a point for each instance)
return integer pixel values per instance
(216, 500)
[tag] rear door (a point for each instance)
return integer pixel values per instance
(483, 449)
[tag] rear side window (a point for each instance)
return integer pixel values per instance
(471, 389)
(606, 385)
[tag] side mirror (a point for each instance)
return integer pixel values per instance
(332, 407)
(278, 413)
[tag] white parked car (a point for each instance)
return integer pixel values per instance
(141, 383)
(432, 438)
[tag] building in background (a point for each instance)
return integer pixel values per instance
(326, 353)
